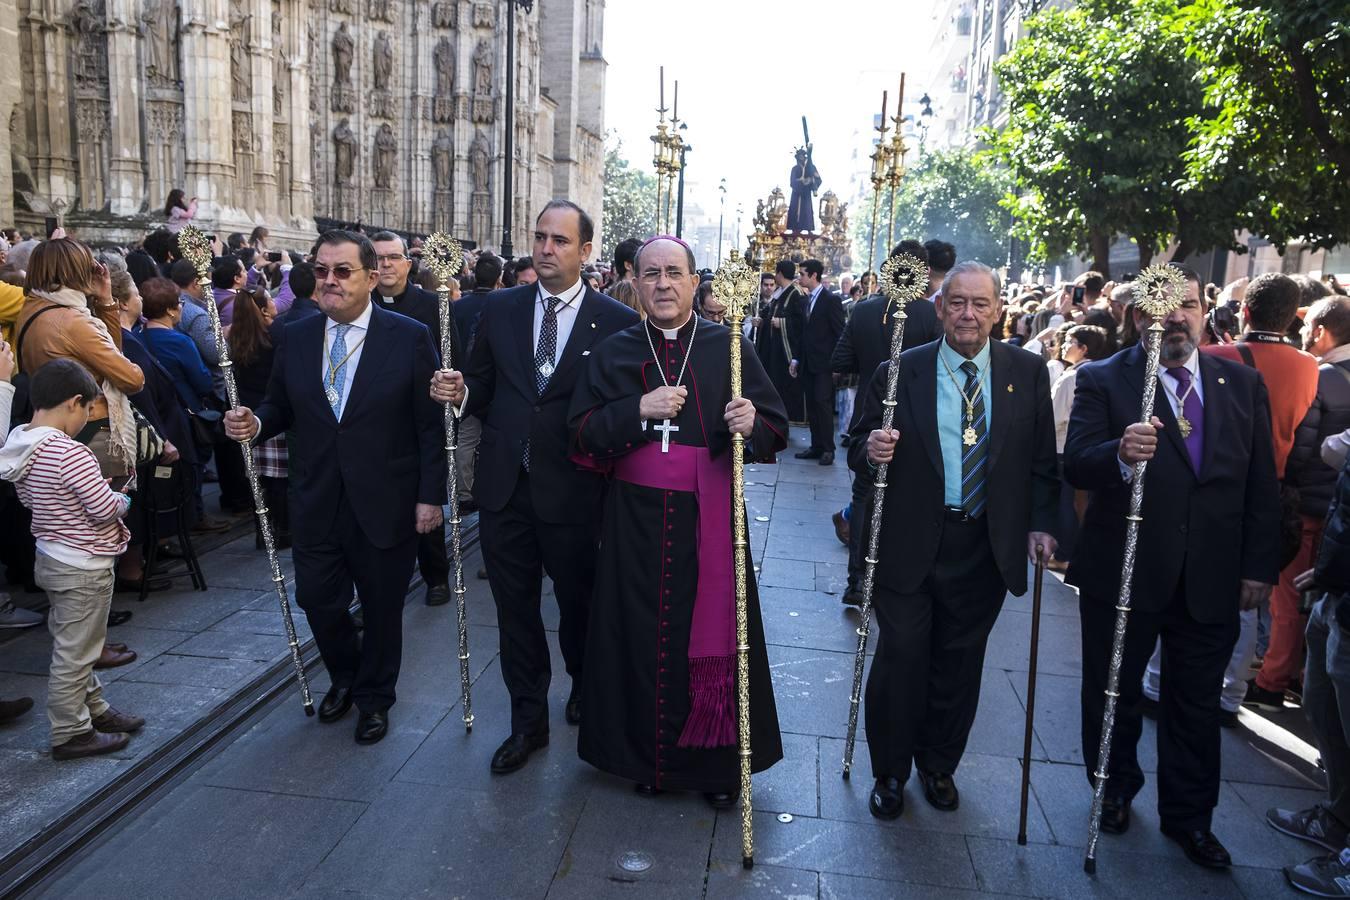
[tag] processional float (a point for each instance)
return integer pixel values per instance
(904, 279)
(196, 249)
(1158, 291)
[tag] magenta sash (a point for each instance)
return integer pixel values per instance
(712, 639)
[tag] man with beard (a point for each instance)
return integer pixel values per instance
(654, 409)
(1208, 548)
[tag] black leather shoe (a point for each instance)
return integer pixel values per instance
(1202, 847)
(335, 704)
(438, 594)
(721, 799)
(359, 619)
(939, 790)
(853, 597)
(648, 790)
(888, 799)
(807, 454)
(372, 727)
(515, 752)
(1115, 815)
(827, 458)
(572, 711)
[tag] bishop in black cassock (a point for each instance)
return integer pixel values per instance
(659, 685)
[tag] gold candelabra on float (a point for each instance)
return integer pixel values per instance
(879, 157)
(666, 145)
(896, 157)
(737, 286)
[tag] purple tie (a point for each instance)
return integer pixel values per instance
(1194, 412)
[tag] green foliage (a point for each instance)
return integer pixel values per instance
(630, 200)
(951, 195)
(1276, 127)
(1099, 97)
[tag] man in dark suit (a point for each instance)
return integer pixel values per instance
(487, 277)
(396, 293)
(302, 305)
(349, 387)
(780, 334)
(1208, 547)
(822, 323)
(973, 491)
(863, 346)
(537, 511)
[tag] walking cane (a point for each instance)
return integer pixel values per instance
(1158, 291)
(445, 258)
(737, 286)
(904, 278)
(1031, 692)
(196, 249)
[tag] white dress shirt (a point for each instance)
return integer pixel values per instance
(811, 301)
(566, 312)
(355, 340)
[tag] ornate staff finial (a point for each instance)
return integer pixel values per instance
(195, 248)
(904, 278)
(443, 255)
(1159, 289)
(734, 284)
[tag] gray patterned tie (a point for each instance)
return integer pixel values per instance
(543, 359)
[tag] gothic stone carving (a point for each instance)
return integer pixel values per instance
(382, 73)
(91, 42)
(483, 15)
(344, 153)
(445, 14)
(346, 7)
(344, 95)
(443, 107)
(386, 151)
(381, 10)
(281, 74)
(241, 69)
(483, 107)
(442, 160)
(160, 28)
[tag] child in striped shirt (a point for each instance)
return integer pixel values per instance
(77, 520)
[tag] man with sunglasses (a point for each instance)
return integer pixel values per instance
(367, 471)
(396, 293)
(537, 511)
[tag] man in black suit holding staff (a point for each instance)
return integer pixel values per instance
(349, 387)
(972, 492)
(537, 511)
(1208, 546)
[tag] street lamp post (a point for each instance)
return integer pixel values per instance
(721, 215)
(679, 201)
(508, 204)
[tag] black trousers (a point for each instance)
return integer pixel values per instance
(859, 520)
(236, 495)
(518, 549)
(818, 388)
(326, 569)
(1194, 656)
(924, 685)
(432, 559)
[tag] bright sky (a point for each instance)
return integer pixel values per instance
(748, 71)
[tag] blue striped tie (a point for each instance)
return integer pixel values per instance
(973, 459)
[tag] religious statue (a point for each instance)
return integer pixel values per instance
(344, 153)
(478, 163)
(241, 68)
(382, 69)
(442, 159)
(343, 50)
(482, 70)
(281, 74)
(444, 61)
(91, 41)
(386, 149)
(160, 29)
(777, 212)
(804, 182)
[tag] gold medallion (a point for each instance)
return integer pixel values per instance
(1184, 426)
(969, 437)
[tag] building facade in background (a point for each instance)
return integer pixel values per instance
(390, 113)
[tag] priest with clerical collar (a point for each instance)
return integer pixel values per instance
(654, 409)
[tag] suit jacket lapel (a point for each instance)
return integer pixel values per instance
(921, 388)
(308, 348)
(373, 355)
(522, 326)
(1162, 404)
(1215, 394)
(1004, 400)
(582, 337)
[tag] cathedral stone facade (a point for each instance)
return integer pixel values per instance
(277, 112)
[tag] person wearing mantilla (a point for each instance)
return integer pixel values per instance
(654, 410)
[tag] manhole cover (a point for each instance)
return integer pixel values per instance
(785, 817)
(635, 861)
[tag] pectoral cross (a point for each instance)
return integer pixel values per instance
(665, 428)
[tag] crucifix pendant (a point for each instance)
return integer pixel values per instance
(665, 428)
(1184, 426)
(969, 437)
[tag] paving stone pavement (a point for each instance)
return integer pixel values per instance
(293, 808)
